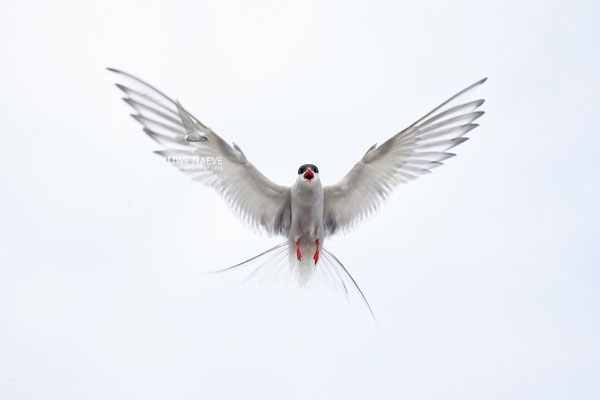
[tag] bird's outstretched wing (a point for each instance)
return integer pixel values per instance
(405, 156)
(195, 149)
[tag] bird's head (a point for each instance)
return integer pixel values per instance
(308, 173)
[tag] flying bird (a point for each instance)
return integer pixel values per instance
(305, 213)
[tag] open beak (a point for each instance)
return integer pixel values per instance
(309, 176)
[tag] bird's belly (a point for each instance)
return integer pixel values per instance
(307, 223)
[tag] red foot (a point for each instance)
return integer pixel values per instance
(316, 256)
(298, 254)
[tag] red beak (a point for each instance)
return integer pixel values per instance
(308, 175)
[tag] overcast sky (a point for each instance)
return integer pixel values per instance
(484, 275)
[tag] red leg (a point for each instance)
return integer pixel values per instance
(316, 256)
(298, 251)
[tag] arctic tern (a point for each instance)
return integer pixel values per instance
(307, 213)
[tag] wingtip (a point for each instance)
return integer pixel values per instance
(459, 141)
(120, 72)
(122, 88)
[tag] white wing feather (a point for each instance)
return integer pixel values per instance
(196, 149)
(402, 158)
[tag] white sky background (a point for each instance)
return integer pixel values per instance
(484, 275)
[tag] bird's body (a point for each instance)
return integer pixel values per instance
(306, 229)
(306, 213)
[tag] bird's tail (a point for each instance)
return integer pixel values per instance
(267, 261)
(277, 264)
(344, 276)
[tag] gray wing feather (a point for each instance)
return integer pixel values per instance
(260, 202)
(413, 152)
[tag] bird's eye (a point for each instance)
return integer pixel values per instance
(301, 170)
(316, 170)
